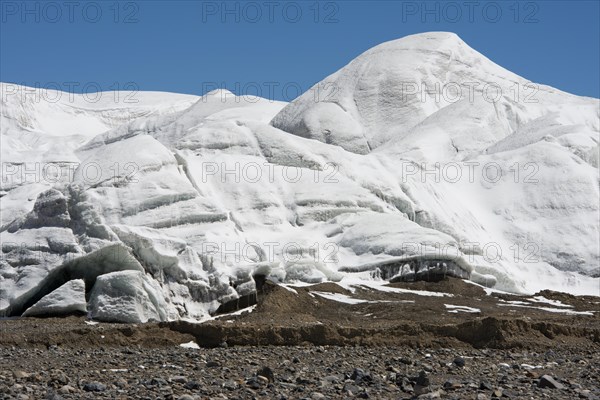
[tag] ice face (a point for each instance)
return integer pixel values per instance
(127, 296)
(67, 299)
(176, 205)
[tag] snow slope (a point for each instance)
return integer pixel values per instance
(176, 204)
(46, 126)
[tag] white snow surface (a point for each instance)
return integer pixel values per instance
(170, 205)
(339, 297)
(190, 345)
(456, 309)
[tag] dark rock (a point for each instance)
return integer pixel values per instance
(459, 362)
(405, 385)
(485, 385)
(360, 376)
(158, 382)
(422, 383)
(546, 381)
(94, 387)
(302, 381)
(422, 379)
(253, 383)
(192, 385)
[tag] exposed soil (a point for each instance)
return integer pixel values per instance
(507, 346)
(283, 317)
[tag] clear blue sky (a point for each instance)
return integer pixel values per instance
(186, 46)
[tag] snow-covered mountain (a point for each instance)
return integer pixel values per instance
(419, 157)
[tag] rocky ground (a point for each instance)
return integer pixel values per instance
(368, 343)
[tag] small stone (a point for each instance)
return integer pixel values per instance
(230, 385)
(427, 367)
(317, 396)
(212, 364)
(178, 379)
(351, 389)
(459, 362)
(94, 387)
(52, 395)
(583, 393)
(422, 384)
(121, 382)
(406, 386)
(21, 374)
(158, 382)
(192, 385)
(263, 380)
(546, 381)
(422, 379)
(330, 379)
(485, 385)
(253, 383)
(532, 374)
(66, 389)
(185, 397)
(481, 396)
(497, 393)
(360, 376)
(452, 384)
(432, 395)
(59, 377)
(267, 373)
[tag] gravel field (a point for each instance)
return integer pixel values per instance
(312, 343)
(314, 372)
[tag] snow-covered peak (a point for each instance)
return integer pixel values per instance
(223, 93)
(389, 90)
(443, 42)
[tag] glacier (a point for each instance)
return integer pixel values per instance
(420, 158)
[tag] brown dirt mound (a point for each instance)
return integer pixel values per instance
(462, 317)
(283, 317)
